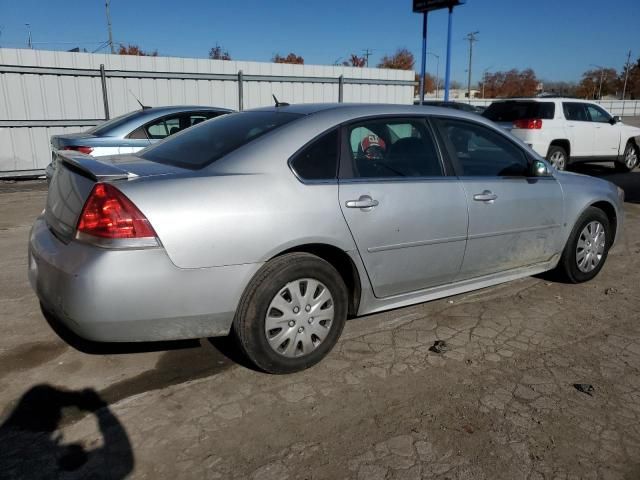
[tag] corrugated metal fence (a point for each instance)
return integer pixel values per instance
(46, 93)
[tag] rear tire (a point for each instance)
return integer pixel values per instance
(629, 159)
(558, 157)
(586, 251)
(283, 326)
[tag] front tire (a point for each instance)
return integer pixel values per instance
(587, 247)
(558, 157)
(629, 159)
(292, 313)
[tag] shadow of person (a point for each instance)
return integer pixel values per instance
(32, 446)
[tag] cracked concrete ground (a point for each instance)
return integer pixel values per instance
(498, 403)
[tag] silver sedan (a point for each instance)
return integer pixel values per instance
(276, 224)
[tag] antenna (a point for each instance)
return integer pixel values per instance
(279, 104)
(143, 107)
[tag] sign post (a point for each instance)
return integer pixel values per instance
(424, 56)
(425, 6)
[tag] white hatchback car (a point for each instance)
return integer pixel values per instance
(567, 130)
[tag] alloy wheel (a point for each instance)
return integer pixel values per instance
(630, 157)
(591, 245)
(558, 160)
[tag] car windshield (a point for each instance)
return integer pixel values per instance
(511, 111)
(203, 144)
(114, 122)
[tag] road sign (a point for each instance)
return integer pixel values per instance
(422, 6)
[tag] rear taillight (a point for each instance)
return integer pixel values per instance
(528, 124)
(109, 218)
(79, 148)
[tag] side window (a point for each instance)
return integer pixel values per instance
(164, 127)
(319, 160)
(575, 111)
(481, 152)
(547, 110)
(597, 114)
(393, 148)
(138, 134)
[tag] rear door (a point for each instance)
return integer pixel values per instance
(581, 131)
(406, 211)
(514, 219)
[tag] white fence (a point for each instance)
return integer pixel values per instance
(44, 93)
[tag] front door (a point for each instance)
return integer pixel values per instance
(408, 219)
(607, 134)
(514, 219)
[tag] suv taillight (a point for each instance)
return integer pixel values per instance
(528, 124)
(79, 148)
(108, 215)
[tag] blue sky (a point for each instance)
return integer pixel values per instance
(558, 39)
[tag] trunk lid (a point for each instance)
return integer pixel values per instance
(75, 175)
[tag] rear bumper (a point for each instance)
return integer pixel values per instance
(131, 295)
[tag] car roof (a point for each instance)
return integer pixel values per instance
(328, 115)
(356, 109)
(542, 99)
(132, 120)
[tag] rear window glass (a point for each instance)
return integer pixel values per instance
(114, 122)
(203, 144)
(511, 111)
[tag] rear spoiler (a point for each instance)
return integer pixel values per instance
(91, 167)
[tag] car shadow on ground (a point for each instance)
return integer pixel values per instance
(180, 360)
(629, 182)
(32, 445)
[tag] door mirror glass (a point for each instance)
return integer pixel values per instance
(539, 169)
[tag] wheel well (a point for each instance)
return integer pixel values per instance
(610, 212)
(341, 261)
(564, 144)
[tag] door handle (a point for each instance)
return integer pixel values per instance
(486, 196)
(365, 201)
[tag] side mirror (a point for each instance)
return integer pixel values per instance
(539, 169)
(615, 119)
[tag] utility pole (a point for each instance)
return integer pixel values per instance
(107, 2)
(29, 42)
(367, 54)
(471, 38)
(626, 75)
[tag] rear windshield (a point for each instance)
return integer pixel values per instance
(511, 111)
(114, 122)
(203, 144)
